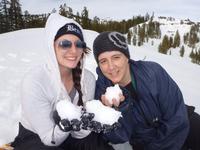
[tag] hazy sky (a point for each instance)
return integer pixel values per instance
(121, 9)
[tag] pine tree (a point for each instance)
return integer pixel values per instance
(139, 38)
(78, 18)
(62, 10)
(160, 48)
(157, 30)
(134, 40)
(69, 12)
(135, 30)
(5, 20)
(171, 41)
(164, 45)
(147, 16)
(198, 57)
(182, 51)
(85, 18)
(185, 38)
(152, 42)
(141, 34)
(193, 37)
(1, 21)
(192, 54)
(15, 15)
(129, 36)
(27, 19)
(176, 40)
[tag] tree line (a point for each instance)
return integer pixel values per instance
(12, 18)
(142, 32)
(139, 29)
(190, 39)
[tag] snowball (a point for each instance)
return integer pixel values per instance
(103, 114)
(67, 110)
(113, 92)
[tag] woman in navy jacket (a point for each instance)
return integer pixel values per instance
(152, 105)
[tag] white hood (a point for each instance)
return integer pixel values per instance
(53, 24)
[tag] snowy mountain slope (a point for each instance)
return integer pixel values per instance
(23, 49)
(169, 26)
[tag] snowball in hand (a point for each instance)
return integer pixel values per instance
(113, 92)
(67, 110)
(103, 114)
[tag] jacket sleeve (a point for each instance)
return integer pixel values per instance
(123, 133)
(174, 124)
(36, 109)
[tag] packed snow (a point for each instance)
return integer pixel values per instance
(103, 114)
(113, 92)
(23, 49)
(67, 110)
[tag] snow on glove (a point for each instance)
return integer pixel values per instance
(88, 123)
(66, 125)
(69, 116)
(105, 118)
(86, 119)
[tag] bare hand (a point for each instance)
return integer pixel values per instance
(114, 103)
(105, 101)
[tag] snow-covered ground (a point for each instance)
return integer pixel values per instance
(169, 26)
(23, 49)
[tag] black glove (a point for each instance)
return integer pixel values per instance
(75, 125)
(86, 118)
(107, 128)
(88, 123)
(95, 126)
(99, 127)
(66, 125)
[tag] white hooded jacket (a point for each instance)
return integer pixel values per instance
(42, 88)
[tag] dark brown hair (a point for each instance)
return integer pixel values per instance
(77, 72)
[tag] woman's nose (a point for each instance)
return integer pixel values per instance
(73, 48)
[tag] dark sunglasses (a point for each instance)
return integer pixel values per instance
(65, 44)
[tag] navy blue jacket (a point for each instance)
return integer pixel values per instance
(157, 116)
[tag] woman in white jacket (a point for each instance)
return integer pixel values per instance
(61, 77)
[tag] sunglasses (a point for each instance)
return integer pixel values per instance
(66, 44)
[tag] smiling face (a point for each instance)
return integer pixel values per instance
(67, 56)
(114, 65)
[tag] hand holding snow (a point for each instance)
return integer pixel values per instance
(102, 113)
(95, 117)
(67, 110)
(113, 92)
